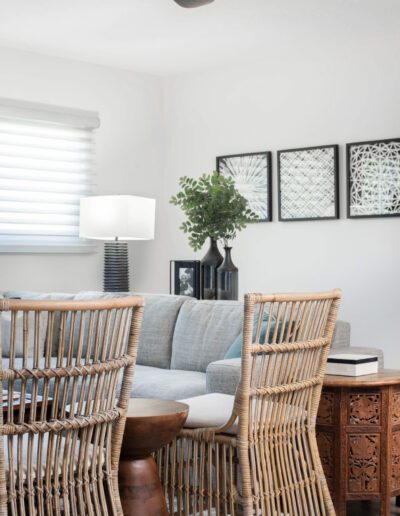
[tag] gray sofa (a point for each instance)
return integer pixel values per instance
(183, 343)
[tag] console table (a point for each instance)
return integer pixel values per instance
(358, 433)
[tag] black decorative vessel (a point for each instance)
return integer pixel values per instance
(228, 278)
(209, 265)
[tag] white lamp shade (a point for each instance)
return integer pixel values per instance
(126, 217)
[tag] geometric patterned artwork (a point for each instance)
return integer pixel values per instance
(373, 173)
(308, 183)
(252, 176)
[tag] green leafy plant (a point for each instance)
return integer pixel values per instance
(213, 207)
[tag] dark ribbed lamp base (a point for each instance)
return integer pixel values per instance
(116, 267)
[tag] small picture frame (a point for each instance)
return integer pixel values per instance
(185, 278)
(308, 183)
(252, 174)
(373, 178)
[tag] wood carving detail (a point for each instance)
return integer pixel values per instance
(364, 409)
(396, 461)
(326, 409)
(326, 448)
(364, 464)
(396, 408)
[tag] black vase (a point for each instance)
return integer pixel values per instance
(209, 264)
(228, 278)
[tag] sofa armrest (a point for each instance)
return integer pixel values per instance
(362, 350)
(341, 335)
(223, 375)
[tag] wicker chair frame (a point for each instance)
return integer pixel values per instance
(60, 440)
(271, 466)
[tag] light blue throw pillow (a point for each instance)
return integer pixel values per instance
(235, 350)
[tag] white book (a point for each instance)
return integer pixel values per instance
(350, 364)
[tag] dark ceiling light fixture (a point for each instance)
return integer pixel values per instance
(193, 3)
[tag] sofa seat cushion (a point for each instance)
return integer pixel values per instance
(204, 332)
(167, 384)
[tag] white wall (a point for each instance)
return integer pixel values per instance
(128, 155)
(328, 96)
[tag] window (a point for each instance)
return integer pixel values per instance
(46, 166)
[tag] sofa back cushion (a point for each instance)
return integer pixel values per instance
(159, 319)
(204, 332)
(35, 296)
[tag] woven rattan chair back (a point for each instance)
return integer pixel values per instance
(67, 370)
(272, 466)
(286, 343)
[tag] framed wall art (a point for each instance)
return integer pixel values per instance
(185, 278)
(252, 176)
(308, 183)
(373, 178)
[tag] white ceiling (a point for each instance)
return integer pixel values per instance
(161, 38)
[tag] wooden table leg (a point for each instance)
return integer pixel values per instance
(140, 487)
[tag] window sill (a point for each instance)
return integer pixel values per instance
(47, 249)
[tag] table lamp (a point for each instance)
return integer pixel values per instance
(116, 219)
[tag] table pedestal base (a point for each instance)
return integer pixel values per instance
(140, 488)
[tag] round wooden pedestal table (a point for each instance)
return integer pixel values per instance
(150, 424)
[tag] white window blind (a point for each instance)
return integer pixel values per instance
(46, 166)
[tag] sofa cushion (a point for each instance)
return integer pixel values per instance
(167, 384)
(159, 319)
(40, 296)
(235, 349)
(158, 325)
(224, 375)
(6, 333)
(204, 331)
(341, 335)
(86, 295)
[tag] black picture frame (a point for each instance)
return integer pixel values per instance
(192, 284)
(349, 181)
(268, 157)
(335, 164)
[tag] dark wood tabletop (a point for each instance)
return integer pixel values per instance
(384, 377)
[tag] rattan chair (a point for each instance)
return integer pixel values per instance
(264, 459)
(67, 370)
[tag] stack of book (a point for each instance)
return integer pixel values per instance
(350, 364)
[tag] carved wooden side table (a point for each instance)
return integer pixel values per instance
(358, 433)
